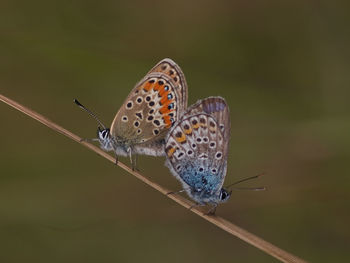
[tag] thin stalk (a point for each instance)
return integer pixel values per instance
(218, 221)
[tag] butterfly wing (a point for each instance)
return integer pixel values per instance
(170, 68)
(216, 107)
(147, 113)
(195, 150)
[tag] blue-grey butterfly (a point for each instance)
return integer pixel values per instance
(197, 148)
(145, 117)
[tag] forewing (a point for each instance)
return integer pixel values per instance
(195, 152)
(148, 112)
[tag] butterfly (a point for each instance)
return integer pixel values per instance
(149, 111)
(196, 150)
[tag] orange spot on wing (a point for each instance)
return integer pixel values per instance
(164, 98)
(188, 131)
(162, 91)
(212, 128)
(196, 126)
(182, 138)
(147, 86)
(167, 121)
(170, 151)
(157, 87)
(164, 109)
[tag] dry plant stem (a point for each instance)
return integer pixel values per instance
(216, 220)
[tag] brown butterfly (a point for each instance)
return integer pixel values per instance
(151, 108)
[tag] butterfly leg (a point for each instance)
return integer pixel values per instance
(193, 206)
(196, 205)
(116, 159)
(89, 140)
(177, 192)
(130, 157)
(212, 210)
(132, 160)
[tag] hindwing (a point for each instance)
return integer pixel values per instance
(197, 146)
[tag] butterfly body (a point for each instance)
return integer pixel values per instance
(196, 149)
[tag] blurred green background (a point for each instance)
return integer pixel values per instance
(283, 67)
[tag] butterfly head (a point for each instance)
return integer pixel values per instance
(224, 195)
(105, 139)
(103, 134)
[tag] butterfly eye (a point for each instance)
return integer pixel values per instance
(103, 134)
(224, 195)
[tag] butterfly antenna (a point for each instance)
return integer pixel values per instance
(90, 112)
(261, 188)
(247, 179)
